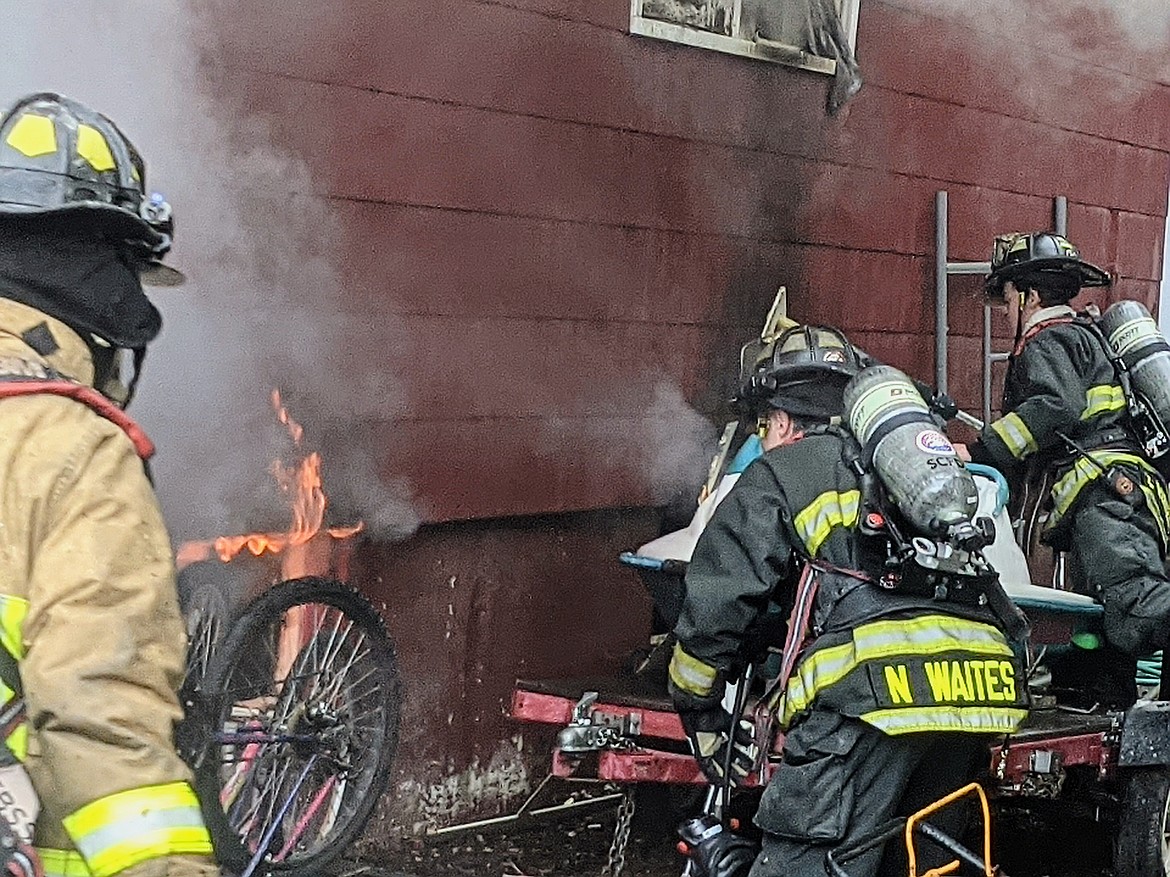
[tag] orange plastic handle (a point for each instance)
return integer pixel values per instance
(950, 868)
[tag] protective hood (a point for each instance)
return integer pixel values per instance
(87, 283)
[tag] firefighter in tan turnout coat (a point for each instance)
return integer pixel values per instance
(89, 620)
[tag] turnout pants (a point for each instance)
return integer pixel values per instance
(841, 779)
(1117, 546)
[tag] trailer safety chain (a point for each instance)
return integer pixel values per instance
(1002, 761)
(612, 738)
(615, 862)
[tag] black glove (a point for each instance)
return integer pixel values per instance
(940, 403)
(944, 406)
(714, 850)
(709, 734)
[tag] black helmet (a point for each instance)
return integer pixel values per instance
(1043, 253)
(803, 371)
(65, 168)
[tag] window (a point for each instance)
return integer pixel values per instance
(811, 34)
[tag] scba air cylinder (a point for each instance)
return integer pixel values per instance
(917, 464)
(1135, 338)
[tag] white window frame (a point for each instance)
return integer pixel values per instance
(761, 50)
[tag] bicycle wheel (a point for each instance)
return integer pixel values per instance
(302, 697)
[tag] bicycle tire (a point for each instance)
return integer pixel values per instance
(206, 609)
(266, 734)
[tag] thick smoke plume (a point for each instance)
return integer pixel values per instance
(263, 307)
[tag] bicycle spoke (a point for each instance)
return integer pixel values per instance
(307, 700)
(303, 822)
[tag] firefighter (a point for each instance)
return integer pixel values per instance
(1066, 413)
(857, 751)
(89, 620)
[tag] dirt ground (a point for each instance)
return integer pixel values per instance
(565, 847)
(577, 845)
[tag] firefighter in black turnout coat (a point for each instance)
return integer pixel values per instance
(891, 701)
(1066, 413)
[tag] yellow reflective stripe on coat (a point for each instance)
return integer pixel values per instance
(1014, 433)
(1069, 487)
(17, 741)
(971, 719)
(925, 635)
(831, 509)
(62, 863)
(690, 674)
(1102, 398)
(1158, 503)
(121, 830)
(13, 611)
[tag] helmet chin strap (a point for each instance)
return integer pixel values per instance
(1021, 297)
(108, 373)
(139, 359)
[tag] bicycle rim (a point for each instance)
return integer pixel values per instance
(305, 697)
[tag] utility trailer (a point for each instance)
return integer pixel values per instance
(1112, 763)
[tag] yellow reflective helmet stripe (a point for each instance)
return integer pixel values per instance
(1102, 398)
(33, 136)
(121, 830)
(972, 719)
(92, 146)
(1083, 471)
(690, 674)
(815, 522)
(924, 635)
(62, 863)
(1014, 433)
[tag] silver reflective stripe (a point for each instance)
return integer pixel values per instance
(973, 719)
(1015, 434)
(95, 843)
(873, 639)
(831, 509)
(924, 635)
(1102, 398)
(1069, 487)
(691, 674)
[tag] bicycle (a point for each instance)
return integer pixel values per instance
(292, 706)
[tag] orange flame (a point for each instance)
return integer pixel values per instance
(301, 483)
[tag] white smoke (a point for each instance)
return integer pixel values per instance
(664, 447)
(1129, 36)
(263, 307)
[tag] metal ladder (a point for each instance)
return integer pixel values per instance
(944, 268)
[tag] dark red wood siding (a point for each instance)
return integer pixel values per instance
(559, 216)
